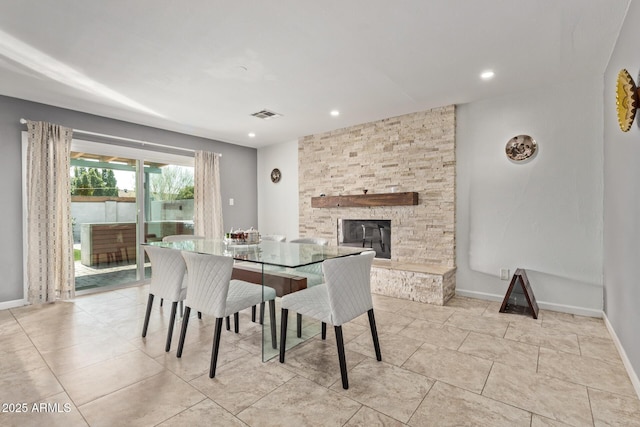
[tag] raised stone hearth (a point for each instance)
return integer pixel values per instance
(423, 283)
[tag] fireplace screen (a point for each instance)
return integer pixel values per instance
(366, 233)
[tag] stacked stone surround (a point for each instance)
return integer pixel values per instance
(413, 152)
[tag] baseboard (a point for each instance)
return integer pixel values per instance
(13, 304)
(633, 376)
(580, 311)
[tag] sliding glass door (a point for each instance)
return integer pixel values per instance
(121, 197)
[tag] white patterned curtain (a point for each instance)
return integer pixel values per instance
(50, 274)
(207, 199)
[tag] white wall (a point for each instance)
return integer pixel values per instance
(622, 200)
(544, 215)
(278, 203)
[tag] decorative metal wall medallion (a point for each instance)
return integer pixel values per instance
(521, 147)
(276, 175)
(626, 100)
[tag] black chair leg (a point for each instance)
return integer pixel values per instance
(341, 357)
(253, 313)
(236, 322)
(147, 315)
(228, 323)
(172, 320)
(183, 332)
(161, 301)
(299, 324)
(199, 315)
(324, 331)
(283, 332)
(181, 309)
(374, 334)
(262, 313)
(272, 320)
(216, 346)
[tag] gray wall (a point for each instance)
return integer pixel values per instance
(622, 199)
(237, 174)
(544, 215)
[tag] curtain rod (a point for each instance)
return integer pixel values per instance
(120, 138)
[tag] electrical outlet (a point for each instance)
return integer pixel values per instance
(504, 274)
(231, 202)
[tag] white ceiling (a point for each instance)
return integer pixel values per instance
(202, 67)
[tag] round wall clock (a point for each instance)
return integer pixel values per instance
(276, 175)
(626, 100)
(521, 147)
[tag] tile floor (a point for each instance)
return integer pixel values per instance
(84, 363)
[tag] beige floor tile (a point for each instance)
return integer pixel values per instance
(37, 313)
(91, 382)
(242, 382)
(430, 312)
(395, 349)
(300, 402)
(15, 341)
(540, 421)
(367, 417)
(70, 335)
(91, 351)
(547, 396)
(470, 306)
(446, 405)
(54, 411)
(203, 414)
(52, 322)
(145, 403)
(452, 367)
(382, 302)
(611, 409)
(571, 323)
(483, 325)
(599, 348)
(196, 358)
(23, 360)
(317, 361)
(8, 324)
(435, 334)
(519, 355)
(386, 322)
(586, 371)
(393, 391)
(543, 337)
(28, 386)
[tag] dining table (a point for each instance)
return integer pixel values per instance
(287, 267)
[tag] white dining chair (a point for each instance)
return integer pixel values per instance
(212, 291)
(345, 296)
(274, 237)
(181, 237)
(311, 240)
(167, 282)
(312, 272)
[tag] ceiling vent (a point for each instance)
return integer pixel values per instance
(266, 114)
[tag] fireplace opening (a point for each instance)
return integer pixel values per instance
(366, 233)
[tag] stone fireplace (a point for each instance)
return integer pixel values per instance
(410, 153)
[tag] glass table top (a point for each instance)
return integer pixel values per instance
(282, 254)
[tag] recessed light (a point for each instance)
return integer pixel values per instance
(335, 113)
(486, 75)
(252, 135)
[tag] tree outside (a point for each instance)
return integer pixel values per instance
(174, 183)
(93, 182)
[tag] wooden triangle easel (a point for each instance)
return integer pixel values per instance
(520, 277)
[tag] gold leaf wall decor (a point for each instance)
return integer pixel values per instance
(626, 100)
